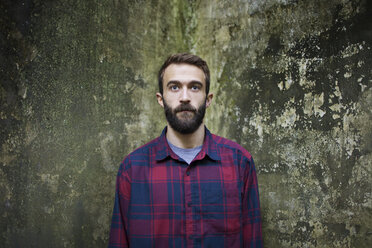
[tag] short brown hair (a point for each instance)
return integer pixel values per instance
(184, 58)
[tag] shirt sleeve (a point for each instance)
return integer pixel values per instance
(119, 223)
(252, 234)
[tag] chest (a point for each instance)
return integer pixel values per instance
(174, 183)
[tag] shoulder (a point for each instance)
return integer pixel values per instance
(229, 145)
(143, 150)
(235, 154)
(141, 154)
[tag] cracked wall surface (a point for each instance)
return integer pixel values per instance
(292, 83)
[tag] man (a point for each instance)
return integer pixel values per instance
(188, 187)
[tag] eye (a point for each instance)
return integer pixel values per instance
(195, 87)
(174, 87)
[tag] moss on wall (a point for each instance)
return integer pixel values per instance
(292, 83)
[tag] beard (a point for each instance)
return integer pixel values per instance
(189, 122)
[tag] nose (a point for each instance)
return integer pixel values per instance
(185, 98)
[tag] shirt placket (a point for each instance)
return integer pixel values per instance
(190, 224)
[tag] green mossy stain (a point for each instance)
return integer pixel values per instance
(292, 84)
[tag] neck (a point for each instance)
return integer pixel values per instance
(186, 140)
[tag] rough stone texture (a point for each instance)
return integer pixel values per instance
(292, 83)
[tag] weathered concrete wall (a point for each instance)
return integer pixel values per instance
(292, 83)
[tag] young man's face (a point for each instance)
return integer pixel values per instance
(184, 97)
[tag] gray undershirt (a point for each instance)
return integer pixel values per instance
(186, 154)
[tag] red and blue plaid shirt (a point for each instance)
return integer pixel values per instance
(161, 201)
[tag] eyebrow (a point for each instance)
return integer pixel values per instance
(193, 82)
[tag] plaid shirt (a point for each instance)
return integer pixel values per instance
(161, 201)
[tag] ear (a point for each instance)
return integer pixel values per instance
(159, 97)
(209, 99)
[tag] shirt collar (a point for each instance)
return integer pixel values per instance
(209, 148)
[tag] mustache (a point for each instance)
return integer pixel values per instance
(184, 107)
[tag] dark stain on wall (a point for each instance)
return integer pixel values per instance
(292, 84)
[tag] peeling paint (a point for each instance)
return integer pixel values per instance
(292, 84)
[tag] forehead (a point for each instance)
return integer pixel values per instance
(183, 73)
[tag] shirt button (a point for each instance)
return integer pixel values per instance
(188, 173)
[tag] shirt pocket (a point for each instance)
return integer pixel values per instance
(221, 210)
